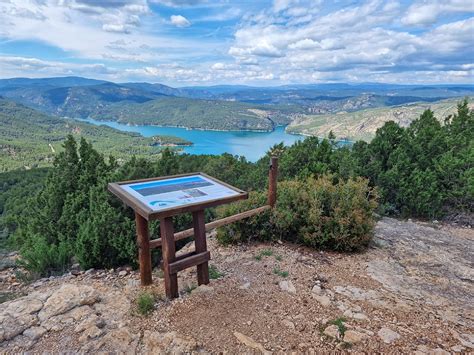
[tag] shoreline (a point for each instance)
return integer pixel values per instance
(343, 140)
(170, 126)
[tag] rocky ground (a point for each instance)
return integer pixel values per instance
(411, 292)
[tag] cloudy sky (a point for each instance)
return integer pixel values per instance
(257, 42)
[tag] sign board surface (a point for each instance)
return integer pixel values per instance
(163, 194)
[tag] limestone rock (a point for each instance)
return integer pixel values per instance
(353, 337)
(24, 305)
(332, 331)
(121, 340)
(355, 315)
(170, 342)
(317, 289)
(90, 333)
(57, 323)
(287, 323)
(18, 315)
(247, 341)
(34, 333)
(89, 322)
(323, 300)
(387, 335)
(466, 340)
(245, 286)
(66, 298)
(203, 289)
(458, 348)
(287, 286)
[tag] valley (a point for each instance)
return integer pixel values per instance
(30, 139)
(307, 108)
(235, 119)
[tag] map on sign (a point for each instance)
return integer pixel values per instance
(179, 191)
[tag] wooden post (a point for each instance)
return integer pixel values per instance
(169, 256)
(272, 181)
(200, 243)
(144, 253)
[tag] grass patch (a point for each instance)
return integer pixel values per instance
(339, 323)
(278, 257)
(266, 252)
(145, 303)
(214, 273)
(279, 272)
(190, 288)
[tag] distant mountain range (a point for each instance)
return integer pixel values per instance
(222, 107)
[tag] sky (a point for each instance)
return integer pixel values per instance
(251, 42)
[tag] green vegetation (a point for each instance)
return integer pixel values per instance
(191, 113)
(314, 212)
(190, 288)
(145, 303)
(339, 323)
(30, 139)
(214, 274)
(266, 252)
(326, 195)
(16, 189)
(424, 170)
(279, 272)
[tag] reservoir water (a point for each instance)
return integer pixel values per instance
(252, 145)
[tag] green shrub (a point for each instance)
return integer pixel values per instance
(257, 227)
(145, 303)
(40, 257)
(314, 212)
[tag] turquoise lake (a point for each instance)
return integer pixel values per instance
(252, 145)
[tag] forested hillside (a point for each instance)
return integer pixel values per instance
(29, 138)
(425, 170)
(137, 104)
(191, 113)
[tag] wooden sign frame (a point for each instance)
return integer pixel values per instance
(200, 257)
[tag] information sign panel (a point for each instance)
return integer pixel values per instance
(177, 192)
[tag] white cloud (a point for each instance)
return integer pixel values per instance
(180, 3)
(289, 41)
(34, 67)
(350, 43)
(423, 13)
(280, 5)
(180, 21)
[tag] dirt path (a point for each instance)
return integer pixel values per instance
(412, 291)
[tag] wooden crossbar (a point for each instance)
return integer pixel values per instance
(189, 261)
(156, 243)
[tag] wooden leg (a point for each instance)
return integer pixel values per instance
(169, 256)
(201, 246)
(144, 253)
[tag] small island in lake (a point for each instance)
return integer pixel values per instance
(170, 141)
